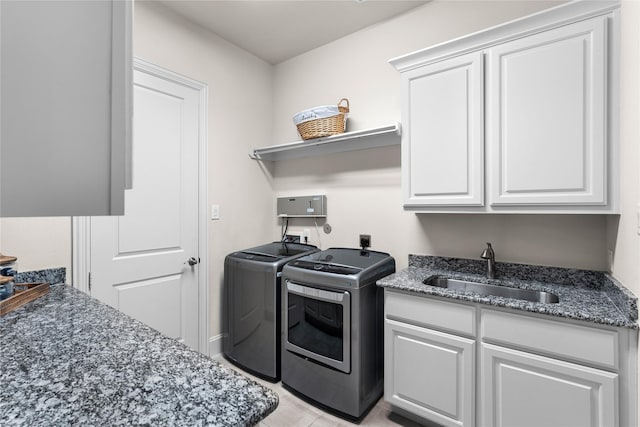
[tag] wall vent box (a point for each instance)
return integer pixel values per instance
(302, 206)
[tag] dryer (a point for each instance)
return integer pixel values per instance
(333, 329)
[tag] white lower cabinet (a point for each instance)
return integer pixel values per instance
(527, 390)
(440, 389)
(463, 364)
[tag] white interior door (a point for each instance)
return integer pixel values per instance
(139, 262)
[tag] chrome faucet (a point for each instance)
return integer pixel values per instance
(490, 256)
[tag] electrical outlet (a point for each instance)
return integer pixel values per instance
(293, 237)
(365, 241)
(306, 235)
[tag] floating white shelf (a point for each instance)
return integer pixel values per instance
(348, 141)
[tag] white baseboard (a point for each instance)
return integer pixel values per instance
(215, 345)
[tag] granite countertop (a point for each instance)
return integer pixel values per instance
(584, 295)
(68, 359)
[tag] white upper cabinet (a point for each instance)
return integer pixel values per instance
(442, 155)
(66, 96)
(547, 117)
(518, 118)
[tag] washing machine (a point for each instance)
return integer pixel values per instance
(252, 310)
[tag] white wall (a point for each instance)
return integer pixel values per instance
(363, 187)
(356, 66)
(39, 243)
(622, 232)
(623, 237)
(239, 99)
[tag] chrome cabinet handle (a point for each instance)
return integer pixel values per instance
(193, 261)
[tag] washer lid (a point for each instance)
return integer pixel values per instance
(278, 250)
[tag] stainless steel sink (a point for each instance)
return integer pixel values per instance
(492, 290)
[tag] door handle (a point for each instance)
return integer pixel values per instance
(193, 261)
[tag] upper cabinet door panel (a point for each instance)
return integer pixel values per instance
(66, 88)
(546, 106)
(442, 146)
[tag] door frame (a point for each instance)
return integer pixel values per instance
(81, 231)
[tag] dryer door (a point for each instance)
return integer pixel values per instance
(319, 325)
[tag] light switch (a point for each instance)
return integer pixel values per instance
(215, 211)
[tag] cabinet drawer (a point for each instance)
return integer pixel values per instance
(423, 311)
(555, 338)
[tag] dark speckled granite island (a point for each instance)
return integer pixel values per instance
(67, 359)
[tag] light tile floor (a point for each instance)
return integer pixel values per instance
(295, 412)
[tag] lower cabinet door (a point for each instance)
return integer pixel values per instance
(520, 389)
(429, 373)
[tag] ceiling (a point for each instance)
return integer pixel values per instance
(279, 30)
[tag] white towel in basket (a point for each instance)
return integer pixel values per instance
(320, 112)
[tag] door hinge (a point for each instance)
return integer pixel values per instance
(89, 281)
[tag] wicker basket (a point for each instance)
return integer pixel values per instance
(318, 128)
